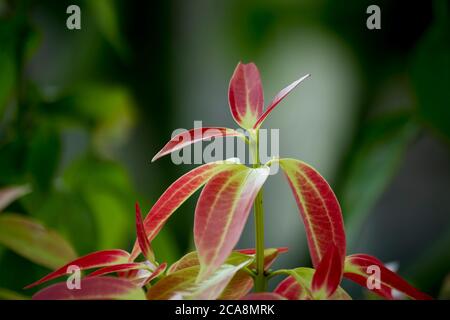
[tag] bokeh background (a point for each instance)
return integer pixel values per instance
(82, 112)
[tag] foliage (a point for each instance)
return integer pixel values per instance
(216, 270)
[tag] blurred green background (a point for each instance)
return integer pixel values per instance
(82, 112)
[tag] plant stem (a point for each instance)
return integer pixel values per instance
(260, 278)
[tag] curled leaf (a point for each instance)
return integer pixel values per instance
(263, 296)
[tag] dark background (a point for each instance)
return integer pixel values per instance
(82, 112)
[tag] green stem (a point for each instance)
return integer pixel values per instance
(260, 278)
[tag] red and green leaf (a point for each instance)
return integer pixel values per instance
(96, 288)
(245, 95)
(319, 209)
(183, 283)
(177, 193)
(270, 255)
(356, 269)
(277, 99)
(298, 286)
(221, 213)
(187, 138)
(96, 259)
(34, 241)
(144, 244)
(239, 286)
(328, 274)
(117, 268)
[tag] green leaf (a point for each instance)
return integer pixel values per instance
(431, 72)
(34, 242)
(371, 166)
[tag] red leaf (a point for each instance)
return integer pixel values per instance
(277, 99)
(117, 268)
(328, 274)
(221, 214)
(245, 95)
(319, 209)
(263, 296)
(356, 269)
(289, 288)
(158, 271)
(93, 260)
(194, 135)
(177, 193)
(144, 244)
(97, 288)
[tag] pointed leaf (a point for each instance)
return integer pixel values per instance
(328, 274)
(263, 296)
(277, 99)
(221, 213)
(33, 241)
(245, 95)
(158, 271)
(239, 286)
(144, 244)
(356, 269)
(10, 194)
(177, 193)
(183, 285)
(319, 209)
(187, 138)
(270, 255)
(97, 288)
(191, 259)
(298, 286)
(96, 259)
(117, 268)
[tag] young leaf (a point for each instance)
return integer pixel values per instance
(298, 286)
(144, 244)
(117, 268)
(33, 241)
(10, 194)
(319, 209)
(183, 285)
(93, 260)
(277, 99)
(177, 193)
(270, 255)
(97, 288)
(245, 95)
(158, 271)
(191, 259)
(221, 214)
(289, 288)
(356, 269)
(239, 286)
(187, 138)
(328, 274)
(263, 296)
